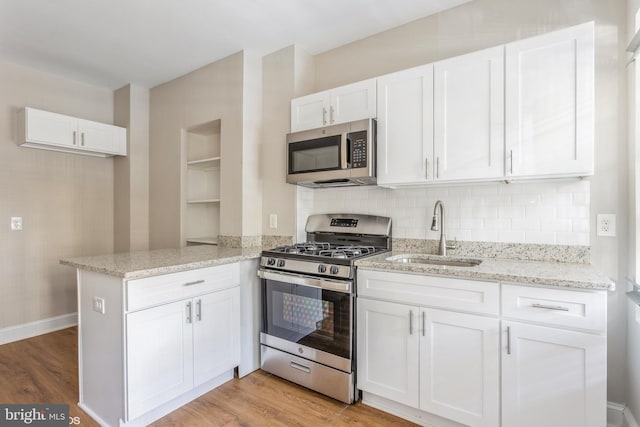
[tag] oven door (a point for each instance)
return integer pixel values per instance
(303, 313)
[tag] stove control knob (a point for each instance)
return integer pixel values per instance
(280, 263)
(322, 268)
(334, 269)
(271, 261)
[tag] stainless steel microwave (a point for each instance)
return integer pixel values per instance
(333, 156)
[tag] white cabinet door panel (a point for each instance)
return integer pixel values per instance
(553, 377)
(101, 137)
(550, 103)
(405, 127)
(460, 367)
(388, 350)
(356, 101)
(51, 128)
(469, 116)
(310, 112)
(216, 334)
(159, 356)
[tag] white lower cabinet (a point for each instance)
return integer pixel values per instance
(175, 347)
(437, 361)
(553, 377)
(432, 351)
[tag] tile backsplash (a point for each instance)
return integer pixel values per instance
(554, 212)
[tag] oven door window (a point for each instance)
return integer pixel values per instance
(316, 155)
(316, 318)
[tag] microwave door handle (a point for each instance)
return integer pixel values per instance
(343, 151)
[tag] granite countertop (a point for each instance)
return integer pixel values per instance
(134, 265)
(551, 274)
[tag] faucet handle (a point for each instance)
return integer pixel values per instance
(453, 245)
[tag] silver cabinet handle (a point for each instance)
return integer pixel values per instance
(75, 136)
(197, 282)
(426, 168)
(550, 307)
(199, 310)
(331, 114)
(300, 367)
(511, 160)
(324, 116)
(410, 322)
(508, 340)
(82, 138)
(189, 320)
(424, 324)
(437, 167)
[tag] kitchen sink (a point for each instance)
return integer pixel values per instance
(435, 260)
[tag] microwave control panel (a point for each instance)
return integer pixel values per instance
(358, 149)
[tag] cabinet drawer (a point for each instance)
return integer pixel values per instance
(441, 292)
(559, 307)
(155, 290)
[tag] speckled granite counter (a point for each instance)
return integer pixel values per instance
(133, 265)
(563, 275)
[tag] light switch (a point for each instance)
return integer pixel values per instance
(16, 223)
(273, 220)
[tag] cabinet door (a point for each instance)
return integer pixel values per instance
(469, 116)
(310, 112)
(388, 350)
(101, 137)
(216, 334)
(550, 104)
(460, 367)
(159, 356)
(51, 128)
(405, 127)
(553, 377)
(356, 101)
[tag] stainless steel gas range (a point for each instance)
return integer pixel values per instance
(308, 296)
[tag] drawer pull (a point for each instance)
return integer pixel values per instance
(424, 324)
(508, 340)
(300, 367)
(196, 282)
(199, 310)
(550, 307)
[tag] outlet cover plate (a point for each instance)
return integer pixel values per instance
(606, 225)
(98, 305)
(16, 223)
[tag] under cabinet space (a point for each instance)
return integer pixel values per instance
(201, 184)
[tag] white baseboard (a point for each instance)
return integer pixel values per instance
(629, 420)
(39, 327)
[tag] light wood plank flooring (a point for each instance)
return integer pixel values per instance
(44, 369)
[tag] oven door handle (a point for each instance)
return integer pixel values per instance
(314, 282)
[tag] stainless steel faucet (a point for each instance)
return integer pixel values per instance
(439, 225)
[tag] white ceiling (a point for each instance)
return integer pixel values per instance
(148, 42)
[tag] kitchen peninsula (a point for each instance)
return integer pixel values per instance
(189, 314)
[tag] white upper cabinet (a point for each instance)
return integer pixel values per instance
(405, 127)
(469, 116)
(550, 104)
(331, 107)
(57, 132)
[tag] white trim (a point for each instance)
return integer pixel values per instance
(629, 420)
(615, 414)
(39, 327)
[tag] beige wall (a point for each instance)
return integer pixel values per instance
(484, 23)
(66, 200)
(131, 173)
(209, 93)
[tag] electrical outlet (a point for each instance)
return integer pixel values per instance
(98, 305)
(16, 223)
(273, 220)
(606, 225)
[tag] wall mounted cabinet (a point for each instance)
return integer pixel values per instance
(201, 184)
(331, 107)
(550, 104)
(57, 132)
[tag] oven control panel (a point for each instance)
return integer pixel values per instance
(306, 267)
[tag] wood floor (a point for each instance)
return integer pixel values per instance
(44, 369)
